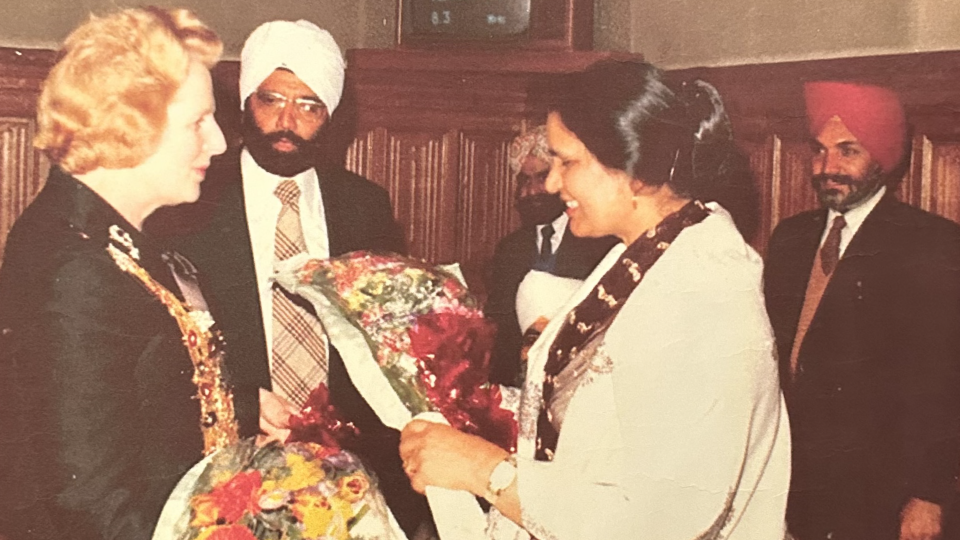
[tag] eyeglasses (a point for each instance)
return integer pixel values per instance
(524, 179)
(306, 108)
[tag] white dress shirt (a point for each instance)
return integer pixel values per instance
(854, 218)
(263, 209)
(559, 227)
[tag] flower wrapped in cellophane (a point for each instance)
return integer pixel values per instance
(414, 341)
(293, 491)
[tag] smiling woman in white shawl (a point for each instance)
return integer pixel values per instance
(652, 408)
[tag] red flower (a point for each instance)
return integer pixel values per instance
(453, 353)
(320, 422)
(230, 532)
(237, 496)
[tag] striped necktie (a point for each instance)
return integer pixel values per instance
(299, 359)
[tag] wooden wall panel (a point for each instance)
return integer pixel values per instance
(22, 171)
(485, 201)
(452, 192)
(420, 170)
(941, 178)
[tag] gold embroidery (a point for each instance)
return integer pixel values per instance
(606, 297)
(634, 270)
(217, 419)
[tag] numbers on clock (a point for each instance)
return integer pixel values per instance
(440, 17)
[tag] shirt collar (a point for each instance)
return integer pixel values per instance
(856, 215)
(260, 183)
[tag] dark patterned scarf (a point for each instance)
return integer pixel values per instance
(598, 309)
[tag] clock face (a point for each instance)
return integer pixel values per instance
(468, 19)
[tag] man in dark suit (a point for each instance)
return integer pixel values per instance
(291, 80)
(864, 301)
(542, 243)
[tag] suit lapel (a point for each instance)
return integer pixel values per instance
(870, 235)
(802, 249)
(336, 211)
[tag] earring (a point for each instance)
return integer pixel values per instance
(636, 204)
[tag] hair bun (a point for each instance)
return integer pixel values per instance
(705, 111)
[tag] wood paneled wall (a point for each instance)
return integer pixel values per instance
(433, 128)
(22, 168)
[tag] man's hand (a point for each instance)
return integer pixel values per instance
(920, 520)
(275, 413)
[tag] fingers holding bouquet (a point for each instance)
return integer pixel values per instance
(439, 455)
(275, 413)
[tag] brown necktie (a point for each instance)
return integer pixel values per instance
(299, 360)
(830, 251)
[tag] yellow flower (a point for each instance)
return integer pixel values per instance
(322, 517)
(352, 488)
(303, 473)
(355, 301)
(271, 496)
(375, 286)
(205, 511)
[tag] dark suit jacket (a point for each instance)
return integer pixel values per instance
(513, 257)
(359, 217)
(874, 404)
(98, 419)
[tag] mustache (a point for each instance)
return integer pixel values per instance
(275, 136)
(842, 179)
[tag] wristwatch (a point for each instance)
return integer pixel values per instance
(500, 479)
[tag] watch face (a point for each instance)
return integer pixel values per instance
(502, 476)
(469, 19)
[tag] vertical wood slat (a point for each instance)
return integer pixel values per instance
(942, 183)
(484, 202)
(764, 161)
(22, 171)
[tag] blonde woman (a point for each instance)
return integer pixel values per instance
(100, 414)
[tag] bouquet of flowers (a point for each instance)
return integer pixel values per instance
(303, 489)
(298, 490)
(414, 341)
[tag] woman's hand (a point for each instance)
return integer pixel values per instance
(275, 412)
(439, 455)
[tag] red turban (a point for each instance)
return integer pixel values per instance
(873, 114)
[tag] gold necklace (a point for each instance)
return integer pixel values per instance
(217, 419)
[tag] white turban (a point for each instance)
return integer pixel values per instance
(542, 295)
(301, 47)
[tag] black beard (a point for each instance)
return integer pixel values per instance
(285, 164)
(540, 208)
